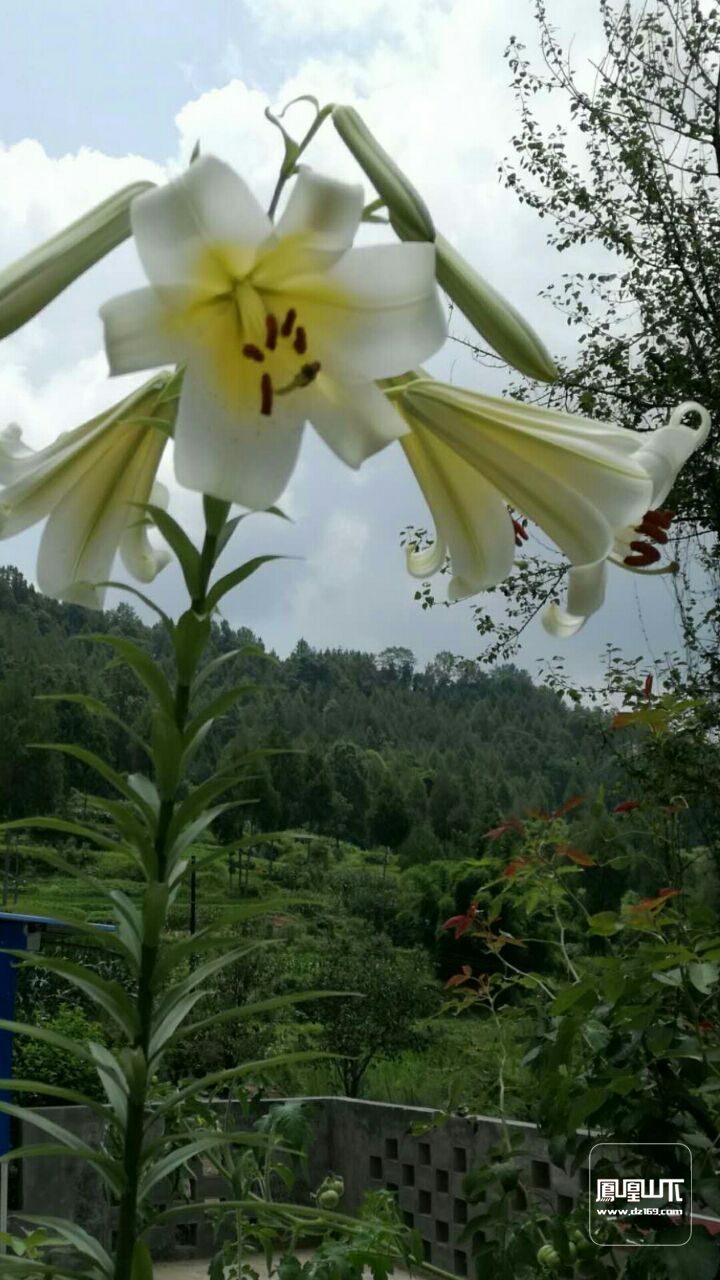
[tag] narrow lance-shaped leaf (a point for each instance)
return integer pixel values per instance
(235, 577)
(109, 996)
(177, 539)
(81, 1240)
(144, 667)
(97, 764)
(219, 706)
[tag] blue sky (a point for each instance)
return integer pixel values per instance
(95, 94)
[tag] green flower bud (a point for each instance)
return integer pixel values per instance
(29, 284)
(495, 319)
(409, 214)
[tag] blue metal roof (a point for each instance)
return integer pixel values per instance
(48, 922)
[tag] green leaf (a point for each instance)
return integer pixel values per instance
(196, 828)
(154, 912)
(108, 1169)
(177, 539)
(206, 1142)
(94, 762)
(142, 1266)
(110, 996)
(68, 828)
(699, 1258)
(265, 1006)
(235, 577)
(73, 1047)
(164, 1030)
(167, 750)
(223, 703)
(215, 1078)
(72, 1096)
(112, 1079)
(95, 708)
(588, 1102)
(144, 667)
(192, 633)
(704, 976)
(212, 667)
(165, 618)
(85, 1244)
(570, 997)
(604, 923)
(198, 799)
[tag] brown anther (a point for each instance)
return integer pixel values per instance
(653, 531)
(521, 533)
(271, 332)
(662, 518)
(645, 555)
(252, 352)
(266, 392)
(288, 323)
(310, 371)
(300, 343)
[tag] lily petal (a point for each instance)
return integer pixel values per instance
(471, 520)
(87, 526)
(208, 206)
(586, 594)
(87, 482)
(137, 334)
(572, 485)
(663, 453)
(376, 312)
(354, 420)
(322, 216)
(237, 456)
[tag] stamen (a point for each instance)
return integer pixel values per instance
(521, 533)
(266, 392)
(300, 343)
(663, 518)
(652, 531)
(252, 352)
(308, 373)
(645, 555)
(271, 332)
(288, 323)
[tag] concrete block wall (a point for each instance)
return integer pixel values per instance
(369, 1144)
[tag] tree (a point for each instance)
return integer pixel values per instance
(389, 818)
(646, 190)
(396, 992)
(629, 169)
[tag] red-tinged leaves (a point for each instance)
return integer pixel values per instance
(652, 904)
(461, 924)
(572, 803)
(627, 806)
(512, 824)
(704, 1026)
(513, 867)
(647, 687)
(575, 855)
(458, 979)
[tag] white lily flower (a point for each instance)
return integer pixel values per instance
(276, 325)
(662, 454)
(472, 454)
(88, 482)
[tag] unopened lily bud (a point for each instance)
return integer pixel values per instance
(502, 327)
(29, 284)
(409, 214)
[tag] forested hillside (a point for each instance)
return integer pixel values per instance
(364, 748)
